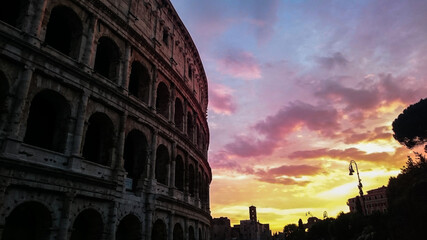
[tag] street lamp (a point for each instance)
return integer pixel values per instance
(351, 171)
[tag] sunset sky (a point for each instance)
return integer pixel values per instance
(299, 88)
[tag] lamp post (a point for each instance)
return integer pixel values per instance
(351, 171)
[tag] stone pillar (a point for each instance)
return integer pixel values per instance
(186, 178)
(153, 155)
(112, 222)
(125, 75)
(172, 169)
(121, 141)
(33, 22)
(78, 131)
(19, 102)
(196, 182)
(65, 216)
(170, 227)
(153, 98)
(87, 50)
(172, 105)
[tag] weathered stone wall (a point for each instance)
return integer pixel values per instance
(99, 100)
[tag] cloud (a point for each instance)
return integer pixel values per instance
(264, 18)
(348, 154)
(221, 99)
(239, 64)
(336, 60)
(379, 133)
(323, 120)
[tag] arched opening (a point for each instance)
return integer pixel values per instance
(191, 233)
(178, 234)
(64, 31)
(199, 185)
(139, 82)
(107, 58)
(190, 126)
(162, 161)
(197, 134)
(99, 139)
(87, 226)
(13, 12)
(162, 100)
(191, 180)
(30, 220)
(179, 114)
(129, 228)
(179, 173)
(47, 121)
(200, 234)
(159, 231)
(135, 154)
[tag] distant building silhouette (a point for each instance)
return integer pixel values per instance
(221, 229)
(250, 229)
(374, 201)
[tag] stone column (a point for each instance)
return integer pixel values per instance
(33, 22)
(153, 155)
(121, 141)
(19, 102)
(186, 178)
(88, 47)
(172, 169)
(80, 122)
(153, 98)
(172, 105)
(65, 216)
(111, 232)
(125, 75)
(170, 227)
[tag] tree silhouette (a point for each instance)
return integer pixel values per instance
(410, 127)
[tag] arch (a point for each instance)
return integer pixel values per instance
(190, 125)
(13, 12)
(191, 180)
(198, 135)
(107, 58)
(47, 121)
(139, 81)
(64, 31)
(191, 233)
(129, 228)
(179, 114)
(178, 233)
(99, 139)
(162, 161)
(179, 173)
(162, 100)
(29, 220)
(87, 226)
(135, 155)
(199, 184)
(159, 230)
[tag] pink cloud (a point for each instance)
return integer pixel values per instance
(320, 119)
(221, 99)
(351, 136)
(240, 64)
(393, 159)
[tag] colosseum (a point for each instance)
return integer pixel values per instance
(103, 131)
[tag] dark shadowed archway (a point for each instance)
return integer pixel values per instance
(162, 161)
(28, 221)
(179, 173)
(135, 155)
(87, 226)
(64, 31)
(107, 58)
(139, 82)
(178, 234)
(13, 12)
(99, 139)
(130, 228)
(159, 231)
(179, 115)
(47, 121)
(162, 100)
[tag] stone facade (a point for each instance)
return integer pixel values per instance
(103, 129)
(374, 201)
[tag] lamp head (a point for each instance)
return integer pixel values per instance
(351, 170)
